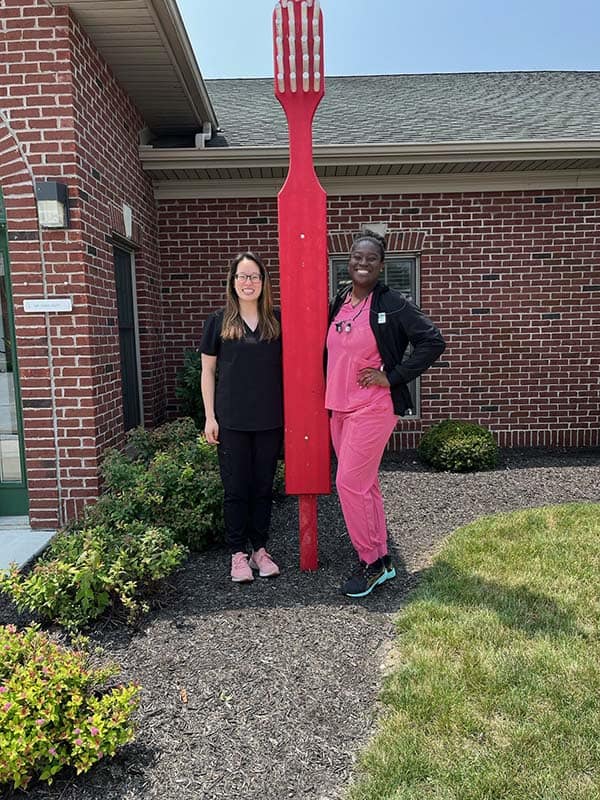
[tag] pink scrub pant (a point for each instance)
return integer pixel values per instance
(359, 439)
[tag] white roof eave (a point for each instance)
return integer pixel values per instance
(157, 29)
(361, 154)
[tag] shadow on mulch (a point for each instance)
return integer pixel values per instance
(516, 458)
(123, 776)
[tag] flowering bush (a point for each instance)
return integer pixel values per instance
(54, 711)
(85, 570)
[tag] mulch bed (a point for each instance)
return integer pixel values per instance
(269, 690)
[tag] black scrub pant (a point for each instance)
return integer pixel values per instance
(248, 460)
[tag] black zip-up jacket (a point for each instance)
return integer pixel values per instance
(396, 321)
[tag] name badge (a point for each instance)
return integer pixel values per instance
(381, 317)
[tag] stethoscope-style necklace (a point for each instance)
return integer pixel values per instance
(346, 324)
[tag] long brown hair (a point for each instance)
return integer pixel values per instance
(233, 325)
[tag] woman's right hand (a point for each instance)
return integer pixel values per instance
(211, 431)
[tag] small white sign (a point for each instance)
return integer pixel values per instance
(128, 220)
(48, 305)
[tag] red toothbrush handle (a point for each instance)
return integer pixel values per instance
(303, 280)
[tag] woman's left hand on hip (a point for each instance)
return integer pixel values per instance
(372, 377)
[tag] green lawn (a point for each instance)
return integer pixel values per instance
(494, 688)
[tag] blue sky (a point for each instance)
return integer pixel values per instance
(232, 38)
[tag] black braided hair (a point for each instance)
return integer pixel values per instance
(370, 236)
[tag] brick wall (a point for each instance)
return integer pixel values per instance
(107, 126)
(198, 239)
(64, 117)
(512, 279)
(36, 142)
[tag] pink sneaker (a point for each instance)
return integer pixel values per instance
(240, 571)
(263, 562)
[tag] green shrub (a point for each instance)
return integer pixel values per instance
(148, 442)
(87, 569)
(188, 387)
(458, 446)
(166, 497)
(54, 709)
(178, 487)
(279, 482)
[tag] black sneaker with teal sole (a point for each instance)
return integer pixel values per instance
(364, 579)
(390, 569)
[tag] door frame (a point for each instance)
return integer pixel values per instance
(13, 495)
(117, 244)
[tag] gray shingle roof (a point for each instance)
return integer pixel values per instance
(388, 109)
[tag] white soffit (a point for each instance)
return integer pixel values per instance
(166, 188)
(373, 169)
(146, 46)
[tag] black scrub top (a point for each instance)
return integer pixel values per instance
(249, 393)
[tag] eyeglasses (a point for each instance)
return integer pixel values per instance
(256, 278)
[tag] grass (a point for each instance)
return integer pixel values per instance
(493, 692)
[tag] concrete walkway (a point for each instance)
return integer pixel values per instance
(18, 542)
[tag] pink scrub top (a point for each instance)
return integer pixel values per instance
(349, 351)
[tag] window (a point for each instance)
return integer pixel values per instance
(400, 273)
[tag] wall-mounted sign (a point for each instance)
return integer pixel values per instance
(47, 305)
(128, 220)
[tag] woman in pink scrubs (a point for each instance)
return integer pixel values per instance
(370, 328)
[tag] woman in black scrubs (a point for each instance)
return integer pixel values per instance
(243, 402)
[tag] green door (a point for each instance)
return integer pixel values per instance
(13, 487)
